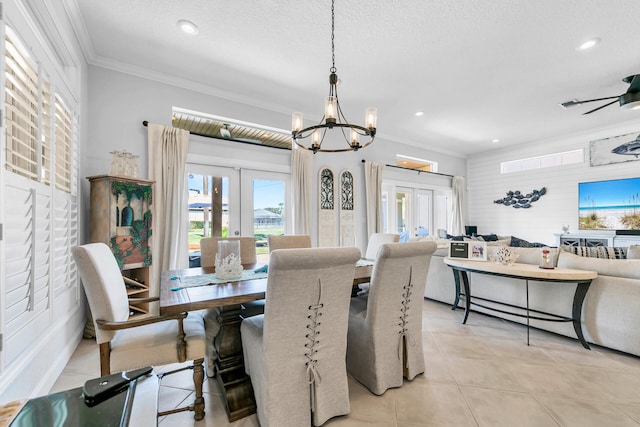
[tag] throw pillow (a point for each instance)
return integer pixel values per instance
(500, 242)
(489, 237)
(456, 238)
(633, 252)
(605, 252)
(521, 243)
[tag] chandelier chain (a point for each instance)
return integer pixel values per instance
(333, 117)
(333, 53)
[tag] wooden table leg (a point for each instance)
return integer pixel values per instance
(234, 383)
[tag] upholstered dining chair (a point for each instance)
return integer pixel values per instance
(146, 341)
(290, 241)
(295, 352)
(377, 239)
(385, 326)
(208, 251)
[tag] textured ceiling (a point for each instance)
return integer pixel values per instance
(478, 69)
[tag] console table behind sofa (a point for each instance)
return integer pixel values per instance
(610, 312)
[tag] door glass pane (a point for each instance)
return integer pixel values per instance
(423, 214)
(402, 214)
(208, 208)
(268, 213)
(442, 212)
(385, 206)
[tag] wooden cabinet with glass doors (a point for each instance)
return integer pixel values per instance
(120, 216)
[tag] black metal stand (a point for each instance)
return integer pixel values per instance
(460, 274)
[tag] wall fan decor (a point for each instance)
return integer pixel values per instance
(617, 149)
(518, 200)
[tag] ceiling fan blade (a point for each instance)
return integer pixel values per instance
(575, 102)
(634, 83)
(601, 107)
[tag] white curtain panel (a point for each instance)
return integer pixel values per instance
(167, 159)
(373, 190)
(458, 217)
(302, 186)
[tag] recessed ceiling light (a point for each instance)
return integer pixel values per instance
(495, 141)
(187, 27)
(419, 113)
(589, 44)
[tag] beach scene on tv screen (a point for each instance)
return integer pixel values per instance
(609, 205)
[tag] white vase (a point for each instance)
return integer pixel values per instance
(505, 256)
(228, 262)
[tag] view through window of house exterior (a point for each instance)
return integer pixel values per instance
(214, 210)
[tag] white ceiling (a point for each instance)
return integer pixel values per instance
(479, 69)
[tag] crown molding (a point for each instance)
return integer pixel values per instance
(82, 35)
(79, 28)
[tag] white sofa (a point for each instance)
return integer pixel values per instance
(610, 314)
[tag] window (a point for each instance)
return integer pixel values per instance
(540, 162)
(215, 196)
(23, 106)
(45, 137)
(29, 121)
(414, 210)
(416, 163)
(64, 135)
(40, 206)
(210, 126)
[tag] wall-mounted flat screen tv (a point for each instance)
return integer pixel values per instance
(609, 205)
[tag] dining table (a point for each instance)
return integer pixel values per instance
(197, 288)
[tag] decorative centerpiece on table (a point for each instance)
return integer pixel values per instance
(228, 262)
(505, 256)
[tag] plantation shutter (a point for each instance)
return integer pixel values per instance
(46, 133)
(27, 260)
(66, 205)
(63, 125)
(22, 100)
(41, 217)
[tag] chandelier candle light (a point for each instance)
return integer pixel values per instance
(333, 116)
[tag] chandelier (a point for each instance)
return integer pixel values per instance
(333, 117)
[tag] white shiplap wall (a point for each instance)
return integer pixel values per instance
(559, 206)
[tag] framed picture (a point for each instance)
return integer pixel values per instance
(476, 251)
(623, 148)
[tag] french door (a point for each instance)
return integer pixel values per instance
(214, 202)
(234, 202)
(412, 212)
(407, 211)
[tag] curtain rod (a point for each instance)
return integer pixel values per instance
(146, 123)
(415, 170)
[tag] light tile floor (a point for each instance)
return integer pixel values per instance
(478, 374)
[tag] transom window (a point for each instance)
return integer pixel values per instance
(416, 163)
(541, 162)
